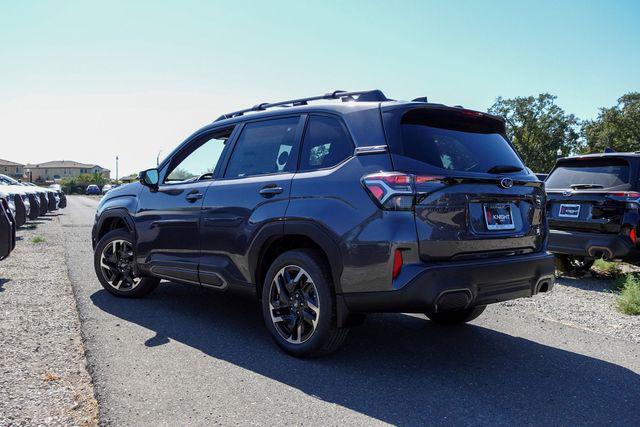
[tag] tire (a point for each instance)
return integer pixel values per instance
(572, 266)
(311, 297)
(127, 285)
(456, 317)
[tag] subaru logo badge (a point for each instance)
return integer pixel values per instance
(567, 193)
(506, 183)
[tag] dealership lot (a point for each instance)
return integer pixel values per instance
(197, 357)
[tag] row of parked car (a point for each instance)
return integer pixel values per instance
(22, 202)
(95, 190)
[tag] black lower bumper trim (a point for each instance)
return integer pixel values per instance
(591, 244)
(443, 286)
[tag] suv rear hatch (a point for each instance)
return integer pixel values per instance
(589, 194)
(474, 196)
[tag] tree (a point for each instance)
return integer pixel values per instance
(180, 174)
(69, 184)
(617, 127)
(538, 128)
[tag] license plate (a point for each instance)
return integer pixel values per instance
(498, 216)
(569, 211)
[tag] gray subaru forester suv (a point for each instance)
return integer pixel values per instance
(332, 207)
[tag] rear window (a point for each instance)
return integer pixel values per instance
(454, 143)
(590, 176)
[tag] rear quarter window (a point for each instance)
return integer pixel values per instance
(326, 143)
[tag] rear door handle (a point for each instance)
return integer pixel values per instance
(192, 197)
(270, 190)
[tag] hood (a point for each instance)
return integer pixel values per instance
(131, 189)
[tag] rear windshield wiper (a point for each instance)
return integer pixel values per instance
(586, 186)
(504, 169)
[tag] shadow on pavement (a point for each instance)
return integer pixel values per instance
(399, 369)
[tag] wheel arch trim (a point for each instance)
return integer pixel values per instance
(315, 232)
(120, 213)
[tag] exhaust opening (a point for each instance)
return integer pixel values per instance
(600, 252)
(453, 300)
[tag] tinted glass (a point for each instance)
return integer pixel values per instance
(457, 150)
(589, 176)
(201, 161)
(265, 147)
(326, 143)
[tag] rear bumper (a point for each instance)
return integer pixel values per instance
(457, 285)
(596, 245)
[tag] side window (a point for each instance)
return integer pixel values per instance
(326, 143)
(199, 161)
(265, 147)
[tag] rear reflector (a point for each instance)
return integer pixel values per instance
(633, 236)
(397, 263)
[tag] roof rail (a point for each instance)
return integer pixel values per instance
(375, 95)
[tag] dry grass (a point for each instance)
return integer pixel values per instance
(50, 376)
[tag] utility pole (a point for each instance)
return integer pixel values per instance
(116, 170)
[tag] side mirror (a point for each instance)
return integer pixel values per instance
(149, 178)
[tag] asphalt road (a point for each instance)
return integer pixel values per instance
(187, 356)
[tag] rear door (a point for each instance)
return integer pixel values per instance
(475, 198)
(252, 192)
(589, 193)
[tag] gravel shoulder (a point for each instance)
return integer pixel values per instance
(586, 303)
(44, 377)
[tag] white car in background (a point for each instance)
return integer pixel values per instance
(106, 188)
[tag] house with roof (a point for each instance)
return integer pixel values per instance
(59, 169)
(12, 169)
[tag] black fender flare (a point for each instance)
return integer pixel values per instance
(323, 238)
(317, 233)
(120, 213)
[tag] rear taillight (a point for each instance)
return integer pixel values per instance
(629, 195)
(397, 263)
(395, 190)
(632, 236)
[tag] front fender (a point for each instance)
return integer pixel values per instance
(121, 207)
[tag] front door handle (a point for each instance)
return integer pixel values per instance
(270, 190)
(194, 196)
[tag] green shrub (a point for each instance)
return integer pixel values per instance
(37, 239)
(629, 299)
(607, 268)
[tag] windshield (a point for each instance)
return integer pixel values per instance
(9, 180)
(590, 176)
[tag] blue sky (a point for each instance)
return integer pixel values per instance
(89, 80)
